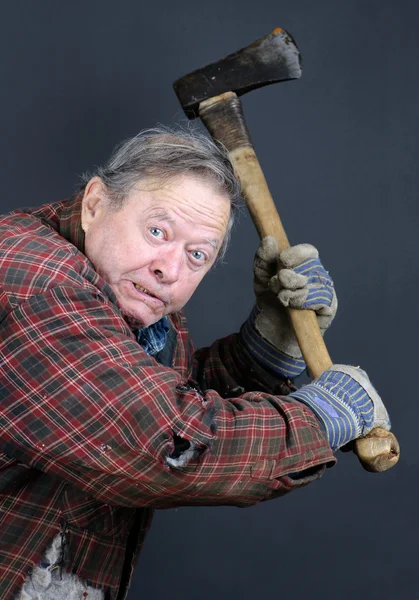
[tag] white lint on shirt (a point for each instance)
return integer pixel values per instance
(50, 582)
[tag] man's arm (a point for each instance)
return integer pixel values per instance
(82, 401)
(265, 356)
(228, 367)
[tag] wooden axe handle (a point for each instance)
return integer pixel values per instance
(224, 119)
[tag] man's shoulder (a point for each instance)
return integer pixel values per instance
(40, 223)
(34, 256)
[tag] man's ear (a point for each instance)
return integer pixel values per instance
(93, 202)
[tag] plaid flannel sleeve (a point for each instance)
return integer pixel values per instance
(82, 401)
(229, 367)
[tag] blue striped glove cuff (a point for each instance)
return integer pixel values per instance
(267, 355)
(346, 403)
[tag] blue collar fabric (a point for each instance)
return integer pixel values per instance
(153, 338)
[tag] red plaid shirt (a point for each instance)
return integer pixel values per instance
(88, 418)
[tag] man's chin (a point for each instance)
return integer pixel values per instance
(139, 322)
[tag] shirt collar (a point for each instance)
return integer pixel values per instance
(70, 222)
(63, 216)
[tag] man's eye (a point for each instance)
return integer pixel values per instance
(198, 255)
(156, 232)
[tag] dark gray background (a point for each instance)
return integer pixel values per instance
(340, 150)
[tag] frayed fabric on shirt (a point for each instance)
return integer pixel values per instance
(50, 582)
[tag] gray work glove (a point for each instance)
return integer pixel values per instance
(296, 278)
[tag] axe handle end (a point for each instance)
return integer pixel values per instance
(378, 451)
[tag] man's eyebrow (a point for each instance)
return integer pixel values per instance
(214, 243)
(162, 214)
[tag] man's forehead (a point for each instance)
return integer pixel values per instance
(180, 186)
(188, 195)
(162, 214)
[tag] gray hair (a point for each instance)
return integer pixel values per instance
(161, 154)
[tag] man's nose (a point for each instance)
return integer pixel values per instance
(167, 265)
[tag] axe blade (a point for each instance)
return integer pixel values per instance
(273, 58)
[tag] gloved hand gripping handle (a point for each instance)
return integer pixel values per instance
(223, 117)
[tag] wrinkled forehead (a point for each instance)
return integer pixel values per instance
(191, 195)
(205, 180)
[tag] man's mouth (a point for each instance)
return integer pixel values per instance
(144, 290)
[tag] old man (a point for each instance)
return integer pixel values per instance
(107, 411)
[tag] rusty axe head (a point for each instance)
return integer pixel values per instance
(273, 58)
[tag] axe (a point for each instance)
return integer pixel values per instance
(212, 93)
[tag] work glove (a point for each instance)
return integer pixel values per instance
(295, 277)
(346, 404)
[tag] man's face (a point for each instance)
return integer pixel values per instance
(157, 248)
